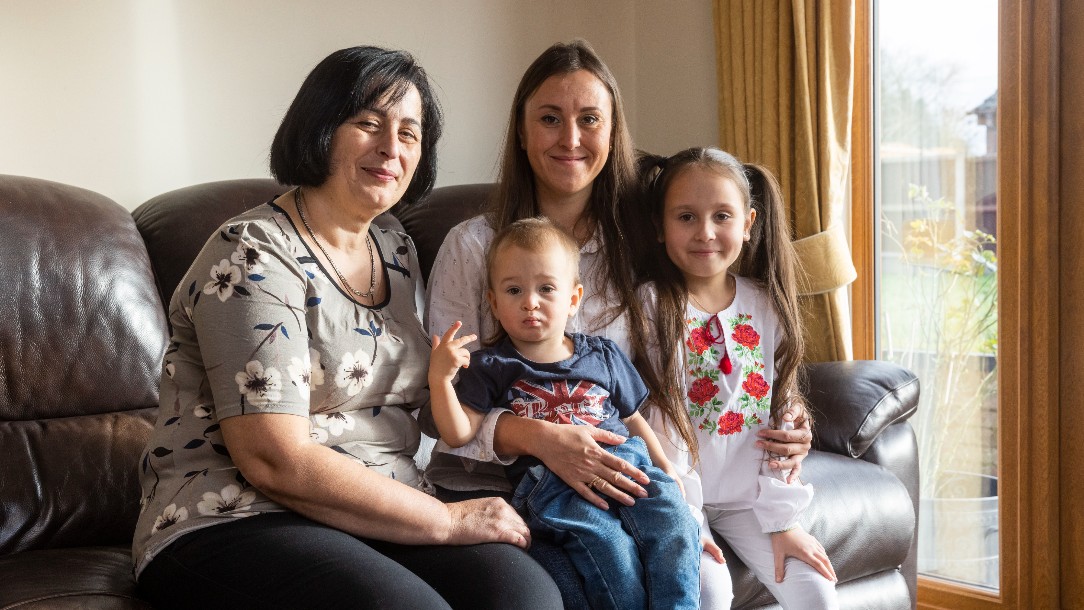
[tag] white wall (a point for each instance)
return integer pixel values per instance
(132, 98)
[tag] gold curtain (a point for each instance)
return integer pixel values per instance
(785, 99)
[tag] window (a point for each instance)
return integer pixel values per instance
(936, 295)
(1039, 422)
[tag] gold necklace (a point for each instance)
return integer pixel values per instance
(299, 202)
(697, 303)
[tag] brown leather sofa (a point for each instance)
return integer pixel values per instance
(83, 331)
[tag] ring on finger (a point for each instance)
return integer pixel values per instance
(595, 482)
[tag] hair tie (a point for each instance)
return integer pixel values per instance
(660, 166)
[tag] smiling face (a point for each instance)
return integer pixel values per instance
(704, 224)
(565, 131)
(375, 152)
(533, 294)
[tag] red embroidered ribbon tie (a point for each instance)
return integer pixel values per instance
(715, 333)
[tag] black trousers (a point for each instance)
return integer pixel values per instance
(283, 560)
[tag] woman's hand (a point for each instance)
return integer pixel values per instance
(573, 454)
(794, 443)
(800, 544)
(487, 520)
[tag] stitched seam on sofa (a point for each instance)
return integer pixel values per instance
(68, 594)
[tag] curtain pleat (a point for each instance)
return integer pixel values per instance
(786, 80)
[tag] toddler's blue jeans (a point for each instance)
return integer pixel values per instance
(611, 548)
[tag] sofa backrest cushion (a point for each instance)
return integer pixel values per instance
(176, 225)
(81, 344)
(429, 220)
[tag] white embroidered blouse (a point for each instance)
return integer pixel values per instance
(729, 361)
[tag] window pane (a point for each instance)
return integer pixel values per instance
(936, 109)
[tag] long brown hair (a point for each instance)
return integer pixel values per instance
(609, 208)
(768, 259)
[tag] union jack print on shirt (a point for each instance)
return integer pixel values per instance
(553, 402)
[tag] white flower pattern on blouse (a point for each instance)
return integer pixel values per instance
(317, 434)
(229, 501)
(306, 373)
(334, 423)
(259, 386)
(250, 258)
(170, 516)
(224, 277)
(354, 372)
(268, 282)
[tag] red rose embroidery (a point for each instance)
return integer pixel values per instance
(730, 422)
(700, 339)
(702, 390)
(755, 386)
(745, 335)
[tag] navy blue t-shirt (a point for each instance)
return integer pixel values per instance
(597, 386)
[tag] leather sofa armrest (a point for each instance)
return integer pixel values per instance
(853, 402)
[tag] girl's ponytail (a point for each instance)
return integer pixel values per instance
(661, 362)
(769, 258)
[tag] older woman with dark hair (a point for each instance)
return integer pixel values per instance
(280, 470)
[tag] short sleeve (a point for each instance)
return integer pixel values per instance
(476, 387)
(247, 310)
(627, 388)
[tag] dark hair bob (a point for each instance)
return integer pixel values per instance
(340, 86)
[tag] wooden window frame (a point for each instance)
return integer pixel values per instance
(1041, 283)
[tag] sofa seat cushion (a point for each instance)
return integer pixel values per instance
(85, 578)
(861, 513)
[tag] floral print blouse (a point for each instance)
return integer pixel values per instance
(260, 327)
(729, 362)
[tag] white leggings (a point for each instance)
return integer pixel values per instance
(802, 586)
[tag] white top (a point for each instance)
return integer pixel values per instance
(458, 283)
(727, 410)
(456, 291)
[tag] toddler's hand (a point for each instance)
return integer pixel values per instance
(670, 471)
(712, 549)
(448, 354)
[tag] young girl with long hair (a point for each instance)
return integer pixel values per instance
(727, 345)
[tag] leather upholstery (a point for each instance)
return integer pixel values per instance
(892, 391)
(80, 352)
(175, 225)
(429, 220)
